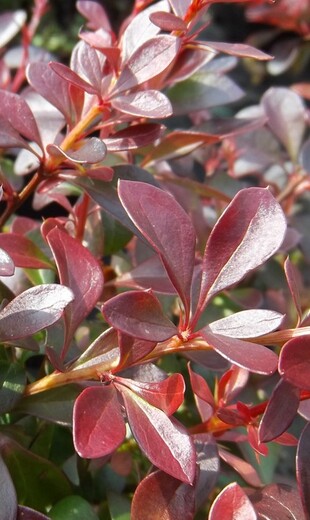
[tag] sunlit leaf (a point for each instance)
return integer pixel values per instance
(232, 503)
(24, 252)
(294, 362)
(247, 324)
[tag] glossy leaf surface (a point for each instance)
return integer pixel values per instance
(149, 103)
(294, 362)
(24, 252)
(7, 267)
(277, 501)
(232, 504)
(247, 324)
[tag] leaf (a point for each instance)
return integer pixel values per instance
(151, 209)
(134, 137)
(168, 21)
(26, 513)
(33, 310)
(232, 504)
(132, 349)
(72, 77)
(167, 395)
(160, 496)
(277, 501)
(303, 468)
(149, 60)
(16, 110)
(10, 24)
(98, 424)
(94, 13)
(92, 151)
(250, 231)
(280, 412)
(138, 314)
(286, 117)
(294, 284)
(7, 266)
(247, 472)
(294, 362)
(209, 466)
(72, 507)
(149, 274)
(164, 440)
(237, 49)
(251, 356)
(80, 271)
(24, 252)
(247, 324)
(147, 103)
(88, 64)
(8, 500)
(10, 138)
(119, 506)
(12, 384)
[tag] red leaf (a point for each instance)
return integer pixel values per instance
(247, 324)
(151, 209)
(7, 267)
(303, 468)
(139, 314)
(167, 395)
(164, 440)
(202, 393)
(277, 501)
(247, 472)
(24, 252)
(294, 362)
(132, 349)
(88, 64)
(160, 496)
(237, 49)
(71, 77)
(15, 110)
(26, 513)
(98, 423)
(133, 137)
(149, 60)
(280, 412)
(232, 504)
(168, 21)
(33, 310)
(209, 466)
(250, 231)
(251, 356)
(146, 103)
(85, 279)
(149, 274)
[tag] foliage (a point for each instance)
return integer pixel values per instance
(158, 322)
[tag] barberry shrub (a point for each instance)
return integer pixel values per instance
(154, 325)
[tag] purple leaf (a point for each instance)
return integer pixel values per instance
(85, 279)
(94, 13)
(146, 103)
(88, 64)
(24, 252)
(7, 266)
(72, 77)
(232, 504)
(277, 501)
(134, 137)
(132, 349)
(10, 24)
(149, 60)
(150, 274)
(167, 395)
(139, 314)
(247, 324)
(10, 138)
(98, 424)
(203, 396)
(250, 231)
(294, 283)
(160, 496)
(8, 500)
(26, 513)
(209, 466)
(237, 49)
(294, 362)
(251, 356)
(168, 21)
(247, 472)
(15, 110)
(303, 468)
(286, 117)
(167, 227)
(180, 7)
(92, 151)
(33, 310)
(280, 412)
(164, 440)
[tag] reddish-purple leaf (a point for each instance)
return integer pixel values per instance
(149, 60)
(102, 173)
(15, 110)
(26, 513)
(10, 24)
(33, 310)
(132, 349)
(209, 466)
(237, 49)
(277, 501)
(251, 356)
(92, 151)
(98, 423)
(286, 117)
(160, 496)
(88, 64)
(164, 440)
(24, 252)
(203, 396)
(167, 227)
(9, 137)
(146, 103)
(8, 500)
(180, 7)
(140, 315)
(294, 283)
(168, 395)
(80, 271)
(303, 468)
(168, 21)
(71, 77)
(133, 137)
(247, 324)
(280, 412)
(94, 13)
(250, 231)
(232, 504)
(149, 274)
(294, 362)
(7, 266)
(247, 472)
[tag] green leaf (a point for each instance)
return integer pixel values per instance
(12, 384)
(72, 507)
(119, 506)
(116, 236)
